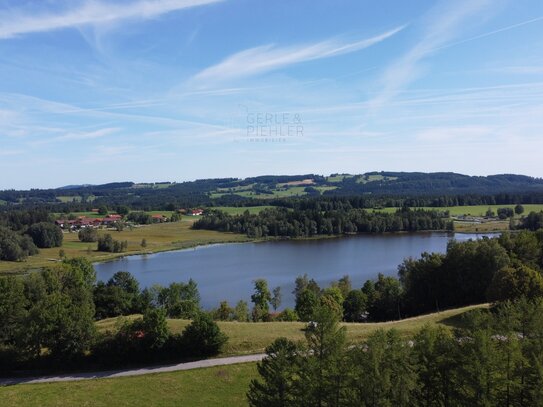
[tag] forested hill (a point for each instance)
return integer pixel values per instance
(416, 183)
(224, 191)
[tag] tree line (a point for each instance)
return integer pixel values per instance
(22, 232)
(283, 222)
(47, 320)
(470, 272)
(389, 189)
(490, 358)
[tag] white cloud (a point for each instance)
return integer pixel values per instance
(89, 135)
(266, 58)
(90, 13)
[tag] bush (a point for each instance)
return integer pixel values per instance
(45, 235)
(504, 213)
(15, 247)
(288, 314)
(512, 283)
(141, 218)
(88, 235)
(203, 337)
(107, 244)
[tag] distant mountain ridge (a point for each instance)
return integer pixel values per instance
(452, 179)
(233, 191)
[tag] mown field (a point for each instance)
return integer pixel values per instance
(477, 211)
(217, 386)
(253, 337)
(238, 210)
(474, 210)
(159, 237)
(279, 192)
(223, 386)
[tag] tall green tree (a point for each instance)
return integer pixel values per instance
(155, 328)
(276, 386)
(382, 372)
(511, 283)
(13, 306)
(276, 298)
(261, 299)
(45, 234)
(355, 306)
(60, 317)
(306, 302)
(323, 377)
(435, 363)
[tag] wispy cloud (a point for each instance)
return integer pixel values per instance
(6, 153)
(79, 136)
(522, 69)
(460, 134)
(444, 25)
(14, 23)
(266, 58)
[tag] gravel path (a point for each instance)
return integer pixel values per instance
(132, 372)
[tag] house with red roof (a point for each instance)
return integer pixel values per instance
(159, 218)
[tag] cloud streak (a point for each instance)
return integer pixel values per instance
(267, 58)
(443, 25)
(16, 23)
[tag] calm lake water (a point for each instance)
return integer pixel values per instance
(227, 271)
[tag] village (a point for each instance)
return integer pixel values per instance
(111, 220)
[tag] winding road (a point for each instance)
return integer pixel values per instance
(132, 372)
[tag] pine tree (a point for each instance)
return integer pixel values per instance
(276, 386)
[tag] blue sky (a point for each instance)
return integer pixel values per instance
(142, 90)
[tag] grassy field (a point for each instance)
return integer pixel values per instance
(235, 210)
(487, 227)
(325, 188)
(223, 386)
(152, 185)
(275, 193)
(237, 188)
(338, 178)
(160, 237)
(473, 210)
(251, 337)
(478, 211)
(372, 178)
(217, 386)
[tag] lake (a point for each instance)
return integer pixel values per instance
(227, 271)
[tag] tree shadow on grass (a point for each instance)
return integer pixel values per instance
(462, 321)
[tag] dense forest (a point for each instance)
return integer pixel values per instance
(490, 359)
(306, 223)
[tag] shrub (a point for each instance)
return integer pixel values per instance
(288, 314)
(45, 235)
(14, 247)
(107, 244)
(88, 235)
(203, 336)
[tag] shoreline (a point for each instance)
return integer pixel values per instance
(286, 239)
(20, 269)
